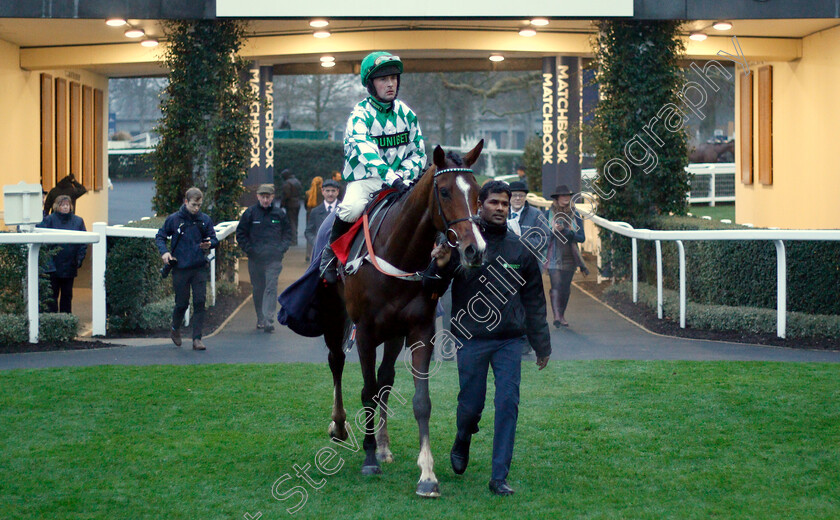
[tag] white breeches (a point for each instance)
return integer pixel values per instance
(356, 197)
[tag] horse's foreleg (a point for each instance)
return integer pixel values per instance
(421, 354)
(367, 358)
(385, 381)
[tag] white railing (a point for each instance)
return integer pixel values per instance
(778, 236)
(103, 230)
(34, 240)
(712, 183)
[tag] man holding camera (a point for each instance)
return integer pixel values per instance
(192, 236)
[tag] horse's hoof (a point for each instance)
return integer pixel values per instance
(428, 489)
(334, 433)
(384, 456)
(371, 470)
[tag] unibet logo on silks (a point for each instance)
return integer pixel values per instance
(391, 141)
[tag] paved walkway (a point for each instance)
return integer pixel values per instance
(596, 333)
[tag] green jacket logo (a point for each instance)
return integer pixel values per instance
(391, 141)
(510, 266)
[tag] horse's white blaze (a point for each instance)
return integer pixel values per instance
(426, 463)
(464, 186)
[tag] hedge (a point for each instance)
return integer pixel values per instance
(743, 273)
(723, 317)
(130, 166)
(52, 327)
(13, 278)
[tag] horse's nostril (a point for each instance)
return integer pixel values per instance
(470, 251)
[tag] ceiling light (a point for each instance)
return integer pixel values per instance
(149, 42)
(321, 34)
(539, 21)
(722, 26)
(115, 22)
(527, 32)
(328, 64)
(325, 59)
(134, 33)
(497, 57)
(318, 23)
(698, 36)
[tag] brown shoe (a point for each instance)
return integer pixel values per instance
(198, 345)
(176, 337)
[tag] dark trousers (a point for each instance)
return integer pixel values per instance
(183, 280)
(561, 281)
(264, 276)
(62, 294)
(293, 212)
(474, 358)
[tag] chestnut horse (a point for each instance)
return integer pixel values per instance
(389, 309)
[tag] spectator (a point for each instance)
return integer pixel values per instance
(319, 214)
(291, 193)
(64, 265)
(520, 319)
(192, 237)
(265, 234)
(563, 253)
(520, 171)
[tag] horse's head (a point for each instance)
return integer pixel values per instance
(454, 203)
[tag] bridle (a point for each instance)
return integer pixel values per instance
(447, 224)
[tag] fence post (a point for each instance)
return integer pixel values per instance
(212, 279)
(712, 187)
(635, 273)
(682, 283)
(659, 279)
(32, 301)
(781, 289)
(100, 250)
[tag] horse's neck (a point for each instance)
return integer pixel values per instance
(408, 233)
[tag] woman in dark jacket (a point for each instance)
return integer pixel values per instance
(563, 253)
(64, 265)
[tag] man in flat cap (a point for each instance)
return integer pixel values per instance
(265, 234)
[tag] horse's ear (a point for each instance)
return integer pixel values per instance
(472, 156)
(439, 157)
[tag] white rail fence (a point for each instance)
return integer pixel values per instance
(777, 236)
(98, 237)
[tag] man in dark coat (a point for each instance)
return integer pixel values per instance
(265, 234)
(291, 193)
(317, 215)
(530, 221)
(508, 292)
(192, 236)
(67, 186)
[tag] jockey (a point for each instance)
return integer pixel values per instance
(382, 145)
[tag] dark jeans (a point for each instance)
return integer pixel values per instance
(293, 212)
(264, 282)
(561, 281)
(474, 359)
(62, 293)
(183, 280)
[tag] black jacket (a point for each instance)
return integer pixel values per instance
(191, 230)
(316, 218)
(69, 257)
(264, 234)
(509, 270)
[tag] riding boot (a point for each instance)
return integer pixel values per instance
(557, 308)
(329, 263)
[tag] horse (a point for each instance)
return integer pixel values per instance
(713, 152)
(393, 310)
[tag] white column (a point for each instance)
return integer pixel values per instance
(659, 279)
(781, 289)
(32, 290)
(98, 294)
(682, 283)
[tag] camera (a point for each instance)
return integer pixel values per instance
(164, 271)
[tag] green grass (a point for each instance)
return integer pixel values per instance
(719, 212)
(640, 440)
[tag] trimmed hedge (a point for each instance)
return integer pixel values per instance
(130, 166)
(743, 273)
(723, 317)
(52, 328)
(307, 159)
(13, 278)
(153, 316)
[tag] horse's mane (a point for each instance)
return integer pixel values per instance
(455, 158)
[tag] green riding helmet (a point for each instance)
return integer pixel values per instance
(379, 64)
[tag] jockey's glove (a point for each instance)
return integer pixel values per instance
(400, 186)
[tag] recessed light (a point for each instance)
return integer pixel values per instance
(539, 21)
(527, 32)
(328, 64)
(698, 36)
(150, 42)
(115, 22)
(497, 57)
(318, 23)
(722, 26)
(134, 33)
(321, 34)
(327, 58)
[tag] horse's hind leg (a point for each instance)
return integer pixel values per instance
(334, 332)
(367, 359)
(385, 382)
(420, 345)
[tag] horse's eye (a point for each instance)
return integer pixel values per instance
(444, 193)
